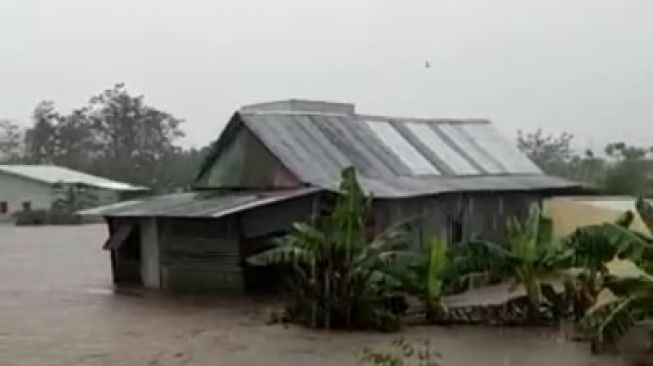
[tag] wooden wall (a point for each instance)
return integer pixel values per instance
(200, 255)
(481, 215)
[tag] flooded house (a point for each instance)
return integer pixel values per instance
(35, 187)
(280, 162)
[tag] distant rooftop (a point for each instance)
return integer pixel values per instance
(52, 174)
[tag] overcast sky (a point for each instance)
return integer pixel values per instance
(581, 66)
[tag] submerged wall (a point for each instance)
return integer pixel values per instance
(200, 255)
(209, 254)
(150, 273)
(456, 217)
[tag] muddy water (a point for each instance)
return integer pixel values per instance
(57, 308)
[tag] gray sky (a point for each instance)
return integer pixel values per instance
(585, 66)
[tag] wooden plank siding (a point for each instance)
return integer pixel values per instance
(200, 255)
(480, 215)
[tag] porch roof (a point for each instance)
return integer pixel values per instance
(199, 204)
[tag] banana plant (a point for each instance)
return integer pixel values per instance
(425, 273)
(436, 266)
(625, 300)
(645, 210)
(592, 246)
(340, 276)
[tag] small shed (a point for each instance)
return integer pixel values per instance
(280, 162)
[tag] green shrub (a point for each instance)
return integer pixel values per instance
(46, 217)
(402, 353)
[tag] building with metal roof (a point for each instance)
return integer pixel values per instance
(33, 187)
(274, 163)
(51, 174)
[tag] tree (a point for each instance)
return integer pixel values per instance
(630, 172)
(117, 136)
(40, 140)
(10, 142)
(551, 153)
(625, 171)
(131, 138)
(70, 198)
(177, 169)
(59, 139)
(74, 141)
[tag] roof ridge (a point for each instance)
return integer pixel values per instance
(438, 120)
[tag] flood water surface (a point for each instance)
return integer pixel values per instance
(57, 307)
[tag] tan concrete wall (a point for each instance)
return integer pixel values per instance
(569, 213)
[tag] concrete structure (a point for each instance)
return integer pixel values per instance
(32, 187)
(571, 212)
(280, 162)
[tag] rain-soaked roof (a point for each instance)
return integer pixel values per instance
(52, 174)
(197, 204)
(395, 157)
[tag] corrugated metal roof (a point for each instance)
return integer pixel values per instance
(397, 157)
(197, 204)
(52, 174)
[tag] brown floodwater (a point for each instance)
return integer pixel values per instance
(57, 307)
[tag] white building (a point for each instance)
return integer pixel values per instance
(32, 187)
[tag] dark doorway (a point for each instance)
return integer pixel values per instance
(126, 255)
(260, 279)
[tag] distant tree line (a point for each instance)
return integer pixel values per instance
(115, 135)
(620, 169)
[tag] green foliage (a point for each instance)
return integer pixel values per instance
(436, 265)
(645, 210)
(626, 300)
(530, 258)
(70, 198)
(341, 277)
(625, 170)
(476, 263)
(402, 353)
(10, 142)
(591, 246)
(426, 274)
(555, 155)
(630, 175)
(46, 217)
(551, 153)
(115, 135)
